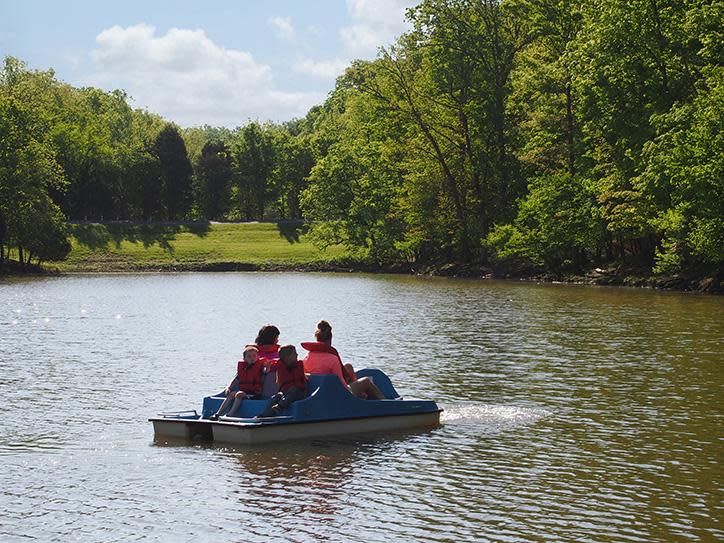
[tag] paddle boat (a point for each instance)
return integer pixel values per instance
(328, 410)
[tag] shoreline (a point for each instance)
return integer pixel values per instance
(703, 284)
(121, 247)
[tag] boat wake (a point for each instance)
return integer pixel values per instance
(492, 414)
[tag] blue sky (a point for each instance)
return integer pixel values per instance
(215, 62)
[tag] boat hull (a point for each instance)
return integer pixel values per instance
(183, 429)
(252, 433)
(229, 432)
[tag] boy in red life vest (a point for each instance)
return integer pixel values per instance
(248, 378)
(291, 380)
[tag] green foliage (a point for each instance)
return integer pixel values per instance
(29, 171)
(685, 177)
(213, 180)
(252, 155)
(294, 159)
(353, 188)
(555, 224)
(170, 150)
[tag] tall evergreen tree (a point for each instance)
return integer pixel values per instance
(213, 180)
(176, 171)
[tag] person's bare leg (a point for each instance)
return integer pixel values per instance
(226, 402)
(366, 386)
(240, 397)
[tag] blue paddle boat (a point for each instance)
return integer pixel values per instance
(328, 410)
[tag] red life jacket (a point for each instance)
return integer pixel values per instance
(270, 353)
(319, 347)
(294, 377)
(249, 377)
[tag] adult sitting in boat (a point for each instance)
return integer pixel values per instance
(248, 379)
(324, 359)
(291, 380)
(267, 341)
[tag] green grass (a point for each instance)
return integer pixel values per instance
(129, 247)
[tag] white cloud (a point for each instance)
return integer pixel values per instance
(375, 23)
(325, 69)
(186, 77)
(284, 27)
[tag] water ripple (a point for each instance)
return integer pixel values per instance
(570, 413)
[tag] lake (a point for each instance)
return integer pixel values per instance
(572, 413)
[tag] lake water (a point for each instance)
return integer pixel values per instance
(571, 413)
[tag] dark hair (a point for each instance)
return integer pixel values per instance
(268, 335)
(323, 332)
(286, 350)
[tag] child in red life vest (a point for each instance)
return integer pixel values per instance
(291, 380)
(248, 379)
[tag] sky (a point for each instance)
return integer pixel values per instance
(218, 62)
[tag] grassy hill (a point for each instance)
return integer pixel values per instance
(197, 246)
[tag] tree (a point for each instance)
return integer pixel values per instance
(176, 171)
(253, 161)
(3, 231)
(555, 224)
(449, 81)
(31, 221)
(294, 159)
(686, 162)
(213, 180)
(352, 195)
(544, 89)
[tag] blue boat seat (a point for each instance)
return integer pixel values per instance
(328, 399)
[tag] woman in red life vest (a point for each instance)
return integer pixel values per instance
(248, 378)
(291, 380)
(267, 341)
(324, 359)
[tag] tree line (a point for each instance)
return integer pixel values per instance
(82, 154)
(534, 134)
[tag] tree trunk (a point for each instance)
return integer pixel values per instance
(20, 254)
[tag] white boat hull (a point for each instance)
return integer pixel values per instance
(251, 434)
